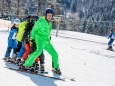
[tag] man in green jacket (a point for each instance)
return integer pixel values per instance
(41, 35)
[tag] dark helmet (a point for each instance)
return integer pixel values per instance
(28, 17)
(16, 21)
(49, 10)
(111, 30)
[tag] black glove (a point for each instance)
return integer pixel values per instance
(50, 37)
(32, 46)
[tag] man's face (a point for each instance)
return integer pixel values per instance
(49, 16)
(28, 20)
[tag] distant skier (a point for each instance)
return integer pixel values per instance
(40, 34)
(112, 38)
(12, 44)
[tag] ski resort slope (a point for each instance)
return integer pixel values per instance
(81, 56)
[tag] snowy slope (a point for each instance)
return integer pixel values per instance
(82, 56)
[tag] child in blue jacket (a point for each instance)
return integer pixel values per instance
(112, 38)
(12, 43)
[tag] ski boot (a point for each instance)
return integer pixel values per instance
(14, 56)
(22, 68)
(57, 71)
(111, 49)
(26, 69)
(36, 66)
(108, 48)
(42, 67)
(19, 61)
(6, 59)
(31, 69)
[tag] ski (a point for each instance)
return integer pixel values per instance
(44, 74)
(66, 77)
(11, 61)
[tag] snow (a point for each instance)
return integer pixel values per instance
(81, 56)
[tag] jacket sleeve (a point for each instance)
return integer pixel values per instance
(113, 36)
(109, 36)
(21, 31)
(23, 26)
(34, 30)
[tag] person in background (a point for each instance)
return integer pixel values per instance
(111, 40)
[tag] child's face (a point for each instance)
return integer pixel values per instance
(28, 20)
(110, 31)
(16, 25)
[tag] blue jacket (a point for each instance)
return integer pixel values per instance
(112, 36)
(12, 37)
(13, 32)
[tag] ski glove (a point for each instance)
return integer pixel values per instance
(31, 41)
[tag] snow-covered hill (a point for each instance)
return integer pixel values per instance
(82, 56)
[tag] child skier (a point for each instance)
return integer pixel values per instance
(12, 44)
(21, 30)
(112, 38)
(24, 51)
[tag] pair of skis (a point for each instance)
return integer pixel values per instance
(48, 74)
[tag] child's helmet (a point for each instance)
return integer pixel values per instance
(16, 21)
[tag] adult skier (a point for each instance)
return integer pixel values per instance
(40, 34)
(112, 38)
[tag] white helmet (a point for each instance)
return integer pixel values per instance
(16, 21)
